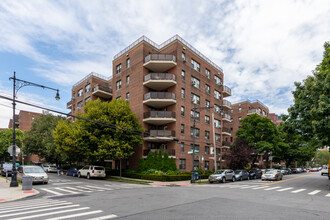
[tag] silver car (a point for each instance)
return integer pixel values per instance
(38, 174)
(222, 176)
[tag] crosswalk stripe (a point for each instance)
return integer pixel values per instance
(82, 187)
(104, 217)
(28, 204)
(57, 184)
(276, 187)
(299, 190)
(65, 190)
(39, 210)
(327, 195)
(49, 213)
(314, 192)
(76, 215)
(246, 187)
(97, 187)
(51, 191)
(75, 189)
(34, 207)
(285, 189)
(261, 187)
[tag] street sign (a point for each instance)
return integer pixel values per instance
(190, 152)
(10, 150)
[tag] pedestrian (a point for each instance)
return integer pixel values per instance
(58, 170)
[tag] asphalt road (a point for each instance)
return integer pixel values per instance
(299, 196)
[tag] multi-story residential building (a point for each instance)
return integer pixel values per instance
(163, 83)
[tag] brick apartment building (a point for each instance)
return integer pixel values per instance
(162, 84)
(23, 121)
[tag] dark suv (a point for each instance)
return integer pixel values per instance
(255, 173)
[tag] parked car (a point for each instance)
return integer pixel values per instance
(72, 172)
(255, 173)
(324, 170)
(315, 169)
(38, 174)
(90, 171)
(284, 171)
(272, 175)
(6, 169)
(289, 171)
(222, 176)
(294, 170)
(242, 175)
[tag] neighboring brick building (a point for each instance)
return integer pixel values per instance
(162, 84)
(23, 121)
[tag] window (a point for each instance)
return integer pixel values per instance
(195, 65)
(217, 94)
(207, 150)
(217, 108)
(207, 73)
(87, 99)
(128, 63)
(183, 56)
(183, 75)
(218, 165)
(192, 147)
(80, 104)
(80, 92)
(87, 88)
(207, 89)
(217, 137)
(182, 147)
(207, 135)
(207, 103)
(196, 115)
(231, 111)
(182, 111)
(182, 93)
(127, 96)
(118, 85)
(239, 118)
(195, 99)
(217, 151)
(207, 119)
(217, 123)
(196, 132)
(127, 80)
(195, 82)
(207, 165)
(118, 68)
(239, 110)
(217, 81)
(182, 128)
(264, 113)
(182, 164)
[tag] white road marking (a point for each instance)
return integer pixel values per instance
(28, 204)
(327, 195)
(299, 190)
(65, 190)
(246, 187)
(33, 206)
(285, 189)
(82, 187)
(49, 213)
(276, 187)
(104, 217)
(314, 192)
(58, 184)
(76, 215)
(79, 190)
(51, 191)
(261, 187)
(97, 187)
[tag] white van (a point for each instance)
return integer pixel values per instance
(324, 170)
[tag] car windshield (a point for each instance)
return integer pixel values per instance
(7, 166)
(237, 171)
(33, 170)
(271, 171)
(219, 172)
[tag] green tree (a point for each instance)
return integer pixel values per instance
(322, 157)
(311, 106)
(240, 154)
(40, 141)
(6, 140)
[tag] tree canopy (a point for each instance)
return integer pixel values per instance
(311, 106)
(322, 157)
(240, 154)
(6, 140)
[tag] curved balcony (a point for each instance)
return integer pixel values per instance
(159, 135)
(102, 91)
(159, 117)
(159, 81)
(226, 117)
(159, 62)
(159, 99)
(226, 131)
(226, 144)
(69, 104)
(253, 111)
(226, 91)
(226, 104)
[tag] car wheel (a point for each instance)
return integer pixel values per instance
(88, 176)
(45, 182)
(233, 179)
(79, 175)
(223, 180)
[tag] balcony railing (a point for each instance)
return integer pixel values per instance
(160, 133)
(159, 76)
(253, 111)
(226, 116)
(226, 91)
(226, 143)
(170, 152)
(69, 104)
(159, 95)
(159, 114)
(226, 103)
(160, 57)
(227, 130)
(102, 88)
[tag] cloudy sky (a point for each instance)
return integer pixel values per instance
(262, 46)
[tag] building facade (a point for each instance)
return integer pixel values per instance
(164, 84)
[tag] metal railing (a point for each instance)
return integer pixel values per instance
(227, 130)
(159, 76)
(159, 95)
(170, 152)
(102, 88)
(167, 57)
(227, 89)
(226, 116)
(226, 143)
(160, 133)
(175, 37)
(159, 114)
(254, 111)
(90, 75)
(227, 103)
(69, 103)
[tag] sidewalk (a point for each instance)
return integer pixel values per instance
(8, 193)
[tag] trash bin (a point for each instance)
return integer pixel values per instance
(27, 182)
(196, 176)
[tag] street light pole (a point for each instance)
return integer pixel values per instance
(21, 83)
(193, 159)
